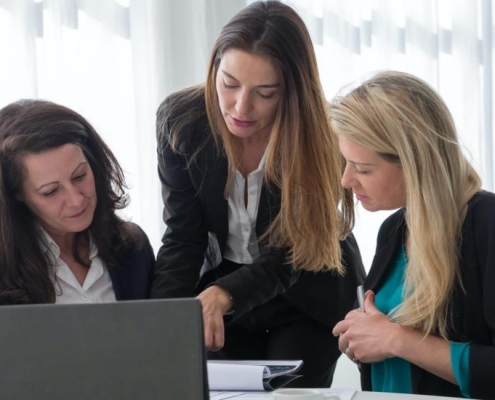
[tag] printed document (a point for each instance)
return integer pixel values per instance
(251, 374)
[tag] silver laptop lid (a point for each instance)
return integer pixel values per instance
(150, 349)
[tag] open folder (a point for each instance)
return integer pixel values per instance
(251, 374)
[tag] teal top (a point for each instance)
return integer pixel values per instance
(459, 359)
(394, 374)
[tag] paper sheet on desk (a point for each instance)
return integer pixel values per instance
(344, 394)
(251, 374)
(242, 377)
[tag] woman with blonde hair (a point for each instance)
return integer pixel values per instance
(428, 324)
(250, 179)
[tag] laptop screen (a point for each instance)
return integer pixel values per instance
(148, 349)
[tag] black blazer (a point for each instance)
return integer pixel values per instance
(472, 312)
(131, 279)
(196, 214)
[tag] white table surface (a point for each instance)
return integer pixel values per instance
(358, 395)
(395, 396)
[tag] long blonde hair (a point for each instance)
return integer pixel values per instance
(402, 118)
(303, 158)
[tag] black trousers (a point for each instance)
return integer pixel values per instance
(278, 330)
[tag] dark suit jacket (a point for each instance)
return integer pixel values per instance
(196, 214)
(131, 279)
(472, 311)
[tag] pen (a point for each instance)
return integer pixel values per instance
(360, 297)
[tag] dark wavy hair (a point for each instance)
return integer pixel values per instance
(33, 127)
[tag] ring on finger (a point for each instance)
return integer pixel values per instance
(351, 357)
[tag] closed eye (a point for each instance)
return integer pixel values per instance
(266, 96)
(79, 177)
(49, 193)
(227, 86)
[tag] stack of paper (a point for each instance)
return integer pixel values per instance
(251, 375)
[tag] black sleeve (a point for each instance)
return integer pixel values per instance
(181, 255)
(482, 356)
(257, 283)
(271, 275)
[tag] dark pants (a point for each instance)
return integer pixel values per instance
(278, 330)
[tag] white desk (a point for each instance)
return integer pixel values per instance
(357, 395)
(395, 396)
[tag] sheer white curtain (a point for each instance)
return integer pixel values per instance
(113, 62)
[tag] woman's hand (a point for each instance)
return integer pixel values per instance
(215, 302)
(370, 337)
(367, 336)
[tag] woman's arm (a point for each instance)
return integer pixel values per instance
(181, 256)
(258, 283)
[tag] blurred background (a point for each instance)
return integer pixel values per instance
(114, 61)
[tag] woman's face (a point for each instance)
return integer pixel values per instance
(377, 183)
(249, 92)
(59, 189)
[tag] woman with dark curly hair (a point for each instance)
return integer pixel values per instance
(61, 240)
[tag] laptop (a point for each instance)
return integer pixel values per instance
(139, 350)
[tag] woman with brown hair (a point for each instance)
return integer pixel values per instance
(250, 177)
(61, 240)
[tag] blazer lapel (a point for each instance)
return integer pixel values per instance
(385, 254)
(215, 173)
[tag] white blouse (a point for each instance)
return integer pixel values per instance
(242, 243)
(97, 287)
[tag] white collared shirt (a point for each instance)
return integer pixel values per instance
(97, 287)
(242, 242)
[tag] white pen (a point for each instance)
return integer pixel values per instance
(360, 297)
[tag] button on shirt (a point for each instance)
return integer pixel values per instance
(242, 242)
(97, 287)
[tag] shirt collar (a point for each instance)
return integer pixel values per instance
(48, 245)
(261, 165)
